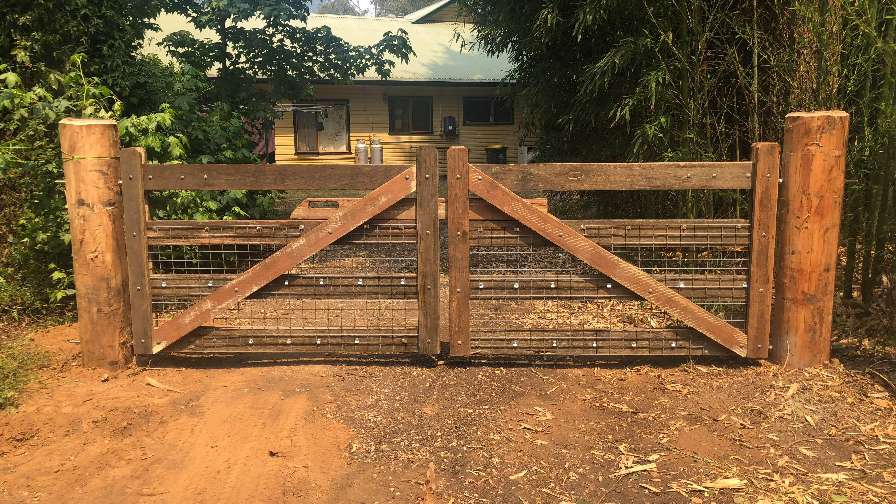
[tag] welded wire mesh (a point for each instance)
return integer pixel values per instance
(356, 296)
(529, 296)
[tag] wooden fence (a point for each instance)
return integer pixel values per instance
(358, 268)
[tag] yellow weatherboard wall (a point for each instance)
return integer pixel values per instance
(369, 118)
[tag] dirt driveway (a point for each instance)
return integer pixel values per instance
(681, 432)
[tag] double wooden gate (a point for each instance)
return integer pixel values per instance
(364, 274)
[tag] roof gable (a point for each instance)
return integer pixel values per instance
(443, 11)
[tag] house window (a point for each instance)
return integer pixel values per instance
(410, 114)
(322, 127)
(483, 110)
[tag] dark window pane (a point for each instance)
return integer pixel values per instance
(399, 111)
(421, 115)
(503, 111)
(477, 110)
(410, 114)
(488, 110)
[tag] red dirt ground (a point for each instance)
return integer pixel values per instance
(657, 432)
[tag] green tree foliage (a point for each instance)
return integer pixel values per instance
(398, 8)
(616, 80)
(49, 32)
(343, 7)
(35, 261)
(266, 39)
(173, 110)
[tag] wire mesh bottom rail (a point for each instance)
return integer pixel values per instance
(317, 341)
(595, 342)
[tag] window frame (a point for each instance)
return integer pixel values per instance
(393, 131)
(348, 128)
(492, 100)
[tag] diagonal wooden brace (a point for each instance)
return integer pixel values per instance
(608, 263)
(338, 225)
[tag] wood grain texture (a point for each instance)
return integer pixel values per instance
(310, 177)
(609, 264)
(427, 215)
(284, 259)
(766, 171)
(92, 170)
(730, 233)
(134, 202)
(459, 251)
(809, 208)
(322, 208)
(620, 176)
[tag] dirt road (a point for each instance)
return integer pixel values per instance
(681, 432)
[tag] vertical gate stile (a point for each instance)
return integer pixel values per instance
(427, 215)
(766, 158)
(135, 217)
(458, 207)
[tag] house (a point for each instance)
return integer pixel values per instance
(440, 86)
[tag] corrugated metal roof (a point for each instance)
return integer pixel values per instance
(439, 57)
(429, 9)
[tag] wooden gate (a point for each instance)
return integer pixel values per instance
(361, 280)
(360, 275)
(531, 284)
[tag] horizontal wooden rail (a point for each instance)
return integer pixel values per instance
(270, 232)
(621, 176)
(308, 342)
(616, 232)
(728, 288)
(309, 177)
(403, 286)
(360, 286)
(322, 208)
(594, 342)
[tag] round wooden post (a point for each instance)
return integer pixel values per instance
(811, 200)
(92, 173)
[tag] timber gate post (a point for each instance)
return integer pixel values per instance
(427, 215)
(90, 160)
(811, 200)
(458, 213)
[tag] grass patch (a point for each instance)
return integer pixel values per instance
(20, 359)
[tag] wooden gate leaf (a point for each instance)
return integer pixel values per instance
(607, 263)
(338, 225)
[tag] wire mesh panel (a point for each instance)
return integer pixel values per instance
(529, 296)
(357, 296)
